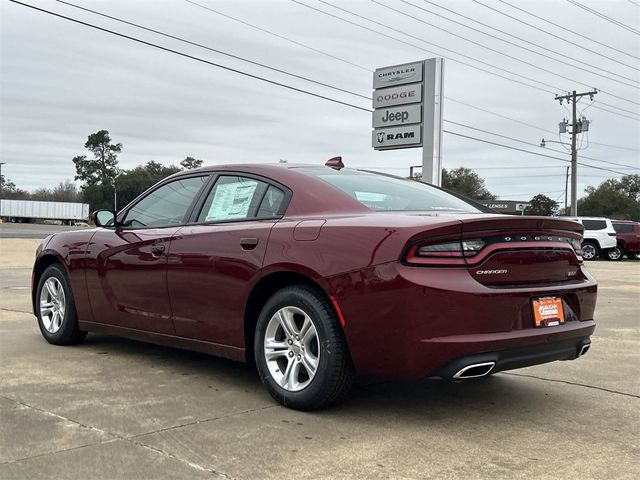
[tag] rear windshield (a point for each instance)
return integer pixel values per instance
(594, 224)
(387, 193)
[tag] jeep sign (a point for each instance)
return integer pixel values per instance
(388, 117)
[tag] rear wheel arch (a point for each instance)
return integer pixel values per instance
(263, 291)
(592, 241)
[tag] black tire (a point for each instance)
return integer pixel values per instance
(590, 250)
(68, 333)
(616, 254)
(334, 373)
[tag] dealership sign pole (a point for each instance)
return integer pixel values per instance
(407, 103)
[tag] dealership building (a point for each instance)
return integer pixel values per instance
(510, 207)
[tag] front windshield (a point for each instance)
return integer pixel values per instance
(381, 192)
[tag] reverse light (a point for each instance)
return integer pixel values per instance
(457, 249)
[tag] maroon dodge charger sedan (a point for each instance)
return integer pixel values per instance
(317, 272)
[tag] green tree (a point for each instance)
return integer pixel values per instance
(98, 174)
(542, 205)
(613, 198)
(103, 168)
(190, 163)
(466, 182)
(9, 191)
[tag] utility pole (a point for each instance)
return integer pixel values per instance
(577, 126)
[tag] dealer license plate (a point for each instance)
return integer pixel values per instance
(547, 311)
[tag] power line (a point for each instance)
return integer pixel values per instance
(192, 57)
(364, 27)
(270, 67)
(444, 48)
(211, 49)
(506, 33)
(282, 37)
(308, 47)
(563, 59)
(568, 30)
(530, 152)
(541, 29)
(537, 145)
(605, 17)
(278, 70)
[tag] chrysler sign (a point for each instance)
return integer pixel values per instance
(397, 75)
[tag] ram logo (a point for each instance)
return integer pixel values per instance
(491, 272)
(380, 137)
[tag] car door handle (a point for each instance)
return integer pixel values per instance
(248, 243)
(156, 250)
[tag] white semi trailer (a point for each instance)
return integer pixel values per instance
(32, 211)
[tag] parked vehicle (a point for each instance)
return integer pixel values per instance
(599, 237)
(628, 240)
(51, 213)
(315, 273)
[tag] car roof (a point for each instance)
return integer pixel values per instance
(311, 196)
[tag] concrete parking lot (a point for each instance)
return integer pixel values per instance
(114, 408)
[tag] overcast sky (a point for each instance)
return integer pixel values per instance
(61, 81)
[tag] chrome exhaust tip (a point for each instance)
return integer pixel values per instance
(584, 349)
(475, 370)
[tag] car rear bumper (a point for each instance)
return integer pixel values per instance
(480, 364)
(405, 322)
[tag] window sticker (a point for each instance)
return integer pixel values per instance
(232, 200)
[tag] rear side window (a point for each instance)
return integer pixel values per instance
(272, 203)
(623, 227)
(237, 198)
(594, 224)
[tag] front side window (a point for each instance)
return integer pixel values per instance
(166, 205)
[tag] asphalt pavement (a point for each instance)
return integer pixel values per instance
(118, 409)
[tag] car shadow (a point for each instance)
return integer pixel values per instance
(407, 401)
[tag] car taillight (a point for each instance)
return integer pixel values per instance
(457, 249)
(451, 252)
(577, 246)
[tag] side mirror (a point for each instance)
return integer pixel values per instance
(104, 218)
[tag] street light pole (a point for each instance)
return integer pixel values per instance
(1, 182)
(566, 189)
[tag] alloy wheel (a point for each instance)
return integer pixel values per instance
(292, 348)
(52, 305)
(589, 251)
(615, 254)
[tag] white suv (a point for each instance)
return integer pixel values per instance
(599, 236)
